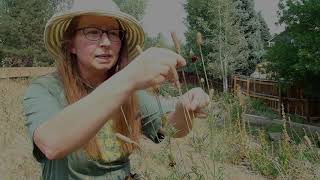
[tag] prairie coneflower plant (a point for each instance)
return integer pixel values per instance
(200, 43)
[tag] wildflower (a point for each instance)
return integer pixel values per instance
(194, 58)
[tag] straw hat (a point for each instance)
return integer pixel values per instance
(58, 24)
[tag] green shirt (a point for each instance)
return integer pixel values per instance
(45, 97)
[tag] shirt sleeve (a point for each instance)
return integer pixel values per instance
(39, 106)
(151, 108)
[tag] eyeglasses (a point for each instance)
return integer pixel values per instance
(95, 34)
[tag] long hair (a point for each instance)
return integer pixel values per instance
(75, 88)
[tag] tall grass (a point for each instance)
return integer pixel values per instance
(226, 138)
(223, 146)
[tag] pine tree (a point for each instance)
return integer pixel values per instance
(265, 31)
(251, 27)
(21, 33)
(235, 46)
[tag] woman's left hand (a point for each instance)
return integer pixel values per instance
(194, 101)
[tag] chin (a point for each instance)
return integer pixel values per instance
(102, 68)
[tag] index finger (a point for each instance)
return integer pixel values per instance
(180, 61)
(176, 77)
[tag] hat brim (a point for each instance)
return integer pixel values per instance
(58, 24)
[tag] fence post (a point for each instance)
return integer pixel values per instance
(248, 86)
(234, 83)
(280, 99)
(254, 86)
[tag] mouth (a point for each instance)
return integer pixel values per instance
(105, 58)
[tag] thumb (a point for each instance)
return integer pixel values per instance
(181, 62)
(194, 105)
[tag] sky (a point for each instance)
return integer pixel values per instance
(269, 9)
(168, 15)
(165, 16)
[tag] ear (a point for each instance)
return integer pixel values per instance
(71, 48)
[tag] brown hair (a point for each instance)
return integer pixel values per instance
(75, 88)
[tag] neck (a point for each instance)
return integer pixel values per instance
(92, 77)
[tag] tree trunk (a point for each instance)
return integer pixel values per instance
(223, 70)
(225, 84)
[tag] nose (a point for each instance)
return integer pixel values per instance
(105, 40)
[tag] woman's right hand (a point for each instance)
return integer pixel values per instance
(152, 67)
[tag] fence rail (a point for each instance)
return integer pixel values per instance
(293, 99)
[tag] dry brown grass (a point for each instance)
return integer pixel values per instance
(17, 161)
(14, 72)
(153, 164)
(15, 145)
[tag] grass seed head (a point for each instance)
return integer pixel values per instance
(199, 39)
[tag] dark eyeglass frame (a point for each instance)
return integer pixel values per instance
(101, 32)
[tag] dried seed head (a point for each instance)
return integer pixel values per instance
(202, 80)
(199, 38)
(211, 93)
(172, 163)
(176, 42)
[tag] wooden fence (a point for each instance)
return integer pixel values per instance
(293, 99)
(195, 80)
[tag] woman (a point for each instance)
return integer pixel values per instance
(77, 115)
